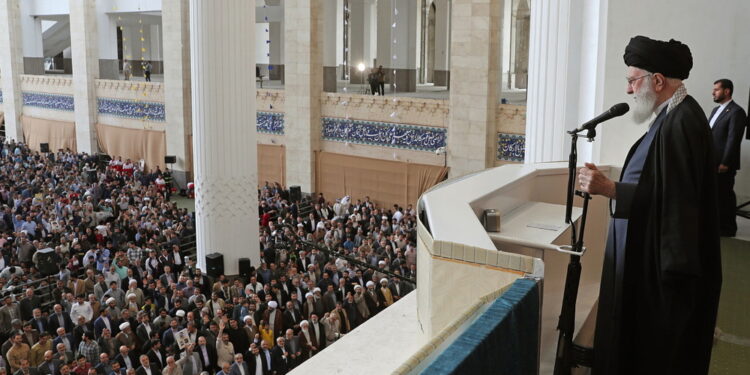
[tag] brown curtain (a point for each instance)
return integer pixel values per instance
(59, 134)
(271, 164)
(133, 144)
(386, 182)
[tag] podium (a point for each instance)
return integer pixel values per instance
(531, 202)
(464, 270)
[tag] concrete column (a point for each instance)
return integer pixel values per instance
(33, 48)
(224, 148)
(304, 85)
(442, 42)
(362, 38)
(11, 67)
(332, 42)
(475, 75)
(553, 95)
(399, 58)
(175, 21)
(85, 53)
(106, 25)
(155, 49)
(276, 50)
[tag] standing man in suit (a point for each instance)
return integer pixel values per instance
(59, 319)
(28, 304)
(239, 367)
(280, 357)
(727, 125)
(207, 355)
(147, 368)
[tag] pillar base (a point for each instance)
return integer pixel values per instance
(109, 69)
(67, 65)
(405, 79)
(33, 65)
(276, 72)
(330, 75)
(181, 178)
(442, 78)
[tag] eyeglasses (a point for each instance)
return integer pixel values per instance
(631, 80)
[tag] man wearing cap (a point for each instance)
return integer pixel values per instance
(662, 271)
(274, 318)
(126, 336)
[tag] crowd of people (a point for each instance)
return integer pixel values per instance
(326, 271)
(94, 280)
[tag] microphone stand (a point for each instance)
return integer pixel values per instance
(570, 355)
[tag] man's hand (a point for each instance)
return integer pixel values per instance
(723, 168)
(593, 181)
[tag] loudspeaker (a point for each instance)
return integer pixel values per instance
(245, 268)
(215, 264)
(44, 147)
(295, 193)
(170, 159)
(45, 261)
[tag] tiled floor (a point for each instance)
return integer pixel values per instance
(731, 353)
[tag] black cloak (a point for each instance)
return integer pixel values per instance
(672, 274)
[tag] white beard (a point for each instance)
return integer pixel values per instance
(645, 102)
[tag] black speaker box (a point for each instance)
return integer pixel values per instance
(44, 147)
(215, 264)
(245, 268)
(295, 193)
(170, 159)
(45, 262)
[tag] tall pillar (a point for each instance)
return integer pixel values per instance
(222, 38)
(475, 75)
(303, 88)
(332, 42)
(399, 59)
(442, 42)
(85, 53)
(11, 67)
(362, 38)
(549, 103)
(276, 50)
(33, 47)
(175, 21)
(109, 67)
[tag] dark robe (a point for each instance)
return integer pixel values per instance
(660, 286)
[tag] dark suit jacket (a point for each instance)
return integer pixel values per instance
(43, 321)
(280, 364)
(154, 370)
(133, 360)
(43, 367)
(27, 305)
(53, 324)
(154, 359)
(73, 343)
(250, 361)
(290, 321)
(212, 366)
(235, 370)
(727, 133)
(32, 371)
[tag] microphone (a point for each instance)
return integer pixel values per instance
(617, 110)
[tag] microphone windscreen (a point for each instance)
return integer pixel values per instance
(619, 109)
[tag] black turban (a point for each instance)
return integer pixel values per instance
(672, 59)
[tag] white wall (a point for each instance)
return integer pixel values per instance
(262, 50)
(716, 33)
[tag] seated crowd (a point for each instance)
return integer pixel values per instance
(94, 280)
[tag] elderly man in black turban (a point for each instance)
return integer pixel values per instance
(662, 272)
